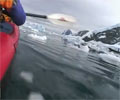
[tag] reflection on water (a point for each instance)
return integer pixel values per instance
(49, 70)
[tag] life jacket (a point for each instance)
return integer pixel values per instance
(5, 18)
(7, 4)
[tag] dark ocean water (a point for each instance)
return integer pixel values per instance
(49, 68)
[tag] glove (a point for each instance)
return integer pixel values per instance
(7, 4)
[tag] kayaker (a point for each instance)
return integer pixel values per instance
(14, 10)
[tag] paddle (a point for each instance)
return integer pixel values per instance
(59, 17)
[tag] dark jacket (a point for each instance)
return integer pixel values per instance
(17, 14)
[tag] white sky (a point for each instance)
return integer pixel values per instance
(89, 13)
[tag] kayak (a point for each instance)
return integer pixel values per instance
(9, 35)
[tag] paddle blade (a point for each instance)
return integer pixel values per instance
(62, 17)
(62, 23)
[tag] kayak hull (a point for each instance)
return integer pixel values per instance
(8, 45)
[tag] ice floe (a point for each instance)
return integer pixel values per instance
(35, 96)
(27, 76)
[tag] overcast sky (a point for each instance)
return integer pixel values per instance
(90, 14)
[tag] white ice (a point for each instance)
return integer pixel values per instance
(112, 59)
(27, 76)
(37, 37)
(35, 96)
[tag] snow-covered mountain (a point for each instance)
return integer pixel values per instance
(102, 40)
(110, 35)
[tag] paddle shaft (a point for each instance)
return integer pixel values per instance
(36, 15)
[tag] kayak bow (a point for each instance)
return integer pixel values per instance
(8, 44)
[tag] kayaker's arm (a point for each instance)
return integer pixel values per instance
(17, 14)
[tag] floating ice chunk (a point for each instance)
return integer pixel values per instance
(75, 41)
(110, 59)
(89, 34)
(41, 28)
(84, 48)
(98, 46)
(27, 76)
(115, 48)
(35, 96)
(102, 37)
(37, 37)
(67, 32)
(35, 27)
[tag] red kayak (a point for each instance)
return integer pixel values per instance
(8, 44)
